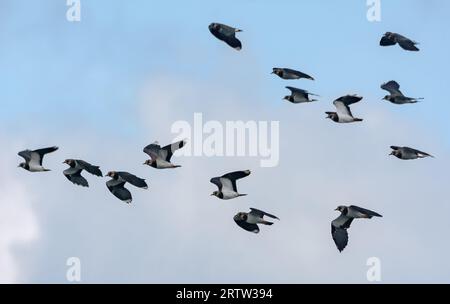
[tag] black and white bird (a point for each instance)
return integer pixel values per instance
(227, 184)
(340, 225)
(344, 114)
(33, 159)
(299, 96)
(407, 153)
(73, 173)
(289, 74)
(393, 38)
(396, 96)
(249, 220)
(160, 157)
(117, 182)
(227, 34)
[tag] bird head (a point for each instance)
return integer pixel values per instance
(241, 216)
(330, 115)
(276, 71)
(68, 161)
(396, 153)
(111, 174)
(386, 97)
(288, 98)
(340, 208)
(215, 193)
(149, 162)
(21, 165)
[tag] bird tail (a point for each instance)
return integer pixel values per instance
(359, 119)
(266, 223)
(242, 195)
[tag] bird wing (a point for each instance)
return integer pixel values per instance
(38, 155)
(233, 42)
(133, 179)
(216, 181)
(153, 150)
(406, 43)
(396, 148)
(119, 191)
(415, 151)
(95, 170)
(167, 152)
(365, 211)
(26, 154)
(260, 213)
(340, 237)
(343, 103)
(247, 226)
(234, 176)
(298, 73)
(74, 175)
(300, 92)
(392, 87)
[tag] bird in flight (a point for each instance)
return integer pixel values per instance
(117, 182)
(227, 34)
(396, 96)
(406, 153)
(340, 225)
(289, 74)
(249, 220)
(405, 43)
(33, 159)
(299, 96)
(76, 166)
(160, 157)
(344, 114)
(227, 184)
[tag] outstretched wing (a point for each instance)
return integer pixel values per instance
(153, 150)
(300, 92)
(95, 170)
(367, 212)
(260, 213)
(234, 176)
(42, 152)
(117, 188)
(406, 43)
(26, 154)
(392, 87)
(246, 226)
(340, 237)
(167, 152)
(342, 104)
(415, 151)
(396, 148)
(298, 73)
(133, 179)
(74, 175)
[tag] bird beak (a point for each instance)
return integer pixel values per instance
(336, 209)
(144, 163)
(211, 194)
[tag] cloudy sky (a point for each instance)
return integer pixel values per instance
(103, 88)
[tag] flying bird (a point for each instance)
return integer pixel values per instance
(396, 96)
(393, 38)
(117, 182)
(290, 74)
(73, 173)
(227, 184)
(344, 114)
(340, 225)
(249, 221)
(407, 153)
(160, 157)
(33, 159)
(227, 34)
(299, 96)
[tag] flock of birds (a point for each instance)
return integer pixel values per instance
(160, 157)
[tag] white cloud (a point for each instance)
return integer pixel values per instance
(18, 224)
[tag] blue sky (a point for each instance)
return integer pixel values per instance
(104, 87)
